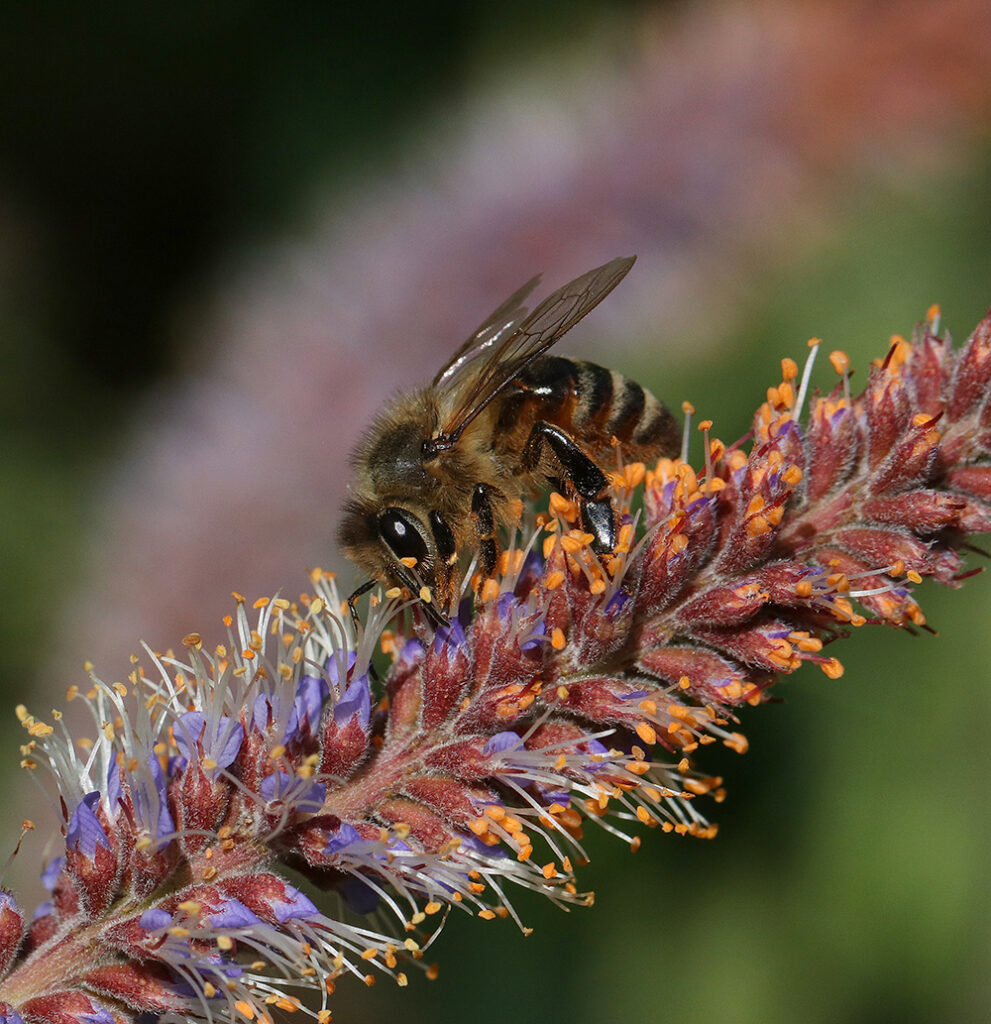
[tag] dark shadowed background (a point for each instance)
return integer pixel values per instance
(228, 234)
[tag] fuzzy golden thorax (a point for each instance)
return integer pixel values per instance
(396, 479)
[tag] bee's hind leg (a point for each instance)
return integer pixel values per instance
(598, 517)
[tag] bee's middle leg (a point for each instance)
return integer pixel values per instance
(481, 509)
(587, 479)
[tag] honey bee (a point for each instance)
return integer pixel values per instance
(442, 469)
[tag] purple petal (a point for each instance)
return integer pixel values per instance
(310, 695)
(85, 832)
(43, 909)
(411, 653)
(345, 836)
(232, 914)
(154, 919)
(450, 637)
(303, 794)
(221, 744)
(595, 747)
(334, 669)
(469, 841)
(232, 738)
(356, 700)
(188, 730)
(619, 603)
(533, 564)
(151, 802)
(51, 871)
(274, 785)
(208, 966)
(261, 713)
(538, 631)
(114, 786)
(358, 896)
(98, 1016)
(311, 798)
(293, 905)
(502, 741)
(555, 796)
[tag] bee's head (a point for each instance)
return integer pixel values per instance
(378, 539)
(395, 544)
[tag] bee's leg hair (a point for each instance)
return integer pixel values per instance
(587, 479)
(481, 509)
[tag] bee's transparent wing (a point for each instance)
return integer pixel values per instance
(473, 383)
(480, 344)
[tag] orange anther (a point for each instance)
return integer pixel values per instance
(832, 668)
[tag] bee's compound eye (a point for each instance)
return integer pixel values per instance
(401, 531)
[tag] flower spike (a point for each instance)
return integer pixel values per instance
(572, 689)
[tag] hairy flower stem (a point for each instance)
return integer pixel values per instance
(570, 689)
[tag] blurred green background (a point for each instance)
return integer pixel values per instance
(147, 154)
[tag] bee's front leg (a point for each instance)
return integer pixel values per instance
(481, 509)
(447, 560)
(363, 589)
(587, 479)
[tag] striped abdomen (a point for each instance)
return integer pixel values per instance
(592, 404)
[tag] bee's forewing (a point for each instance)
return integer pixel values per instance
(504, 344)
(481, 342)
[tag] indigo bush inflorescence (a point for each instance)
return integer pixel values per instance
(571, 690)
